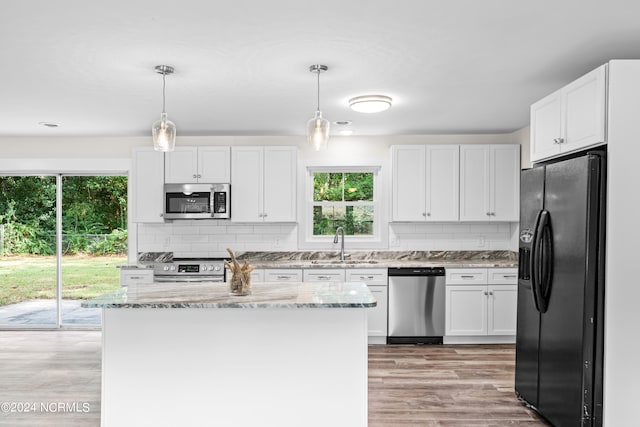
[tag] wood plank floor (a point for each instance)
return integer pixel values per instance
(446, 385)
(408, 385)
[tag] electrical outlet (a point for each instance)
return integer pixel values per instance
(276, 243)
(481, 242)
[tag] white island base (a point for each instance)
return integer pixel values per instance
(234, 367)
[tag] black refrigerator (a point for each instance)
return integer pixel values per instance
(559, 341)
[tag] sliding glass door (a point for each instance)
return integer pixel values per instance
(94, 242)
(73, 235)
(28, 285)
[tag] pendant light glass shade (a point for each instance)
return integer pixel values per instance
(318, 127)
(163, 131)
(164, 134)
(318, 132)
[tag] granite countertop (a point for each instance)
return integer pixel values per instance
(382, 259)
(216, 295)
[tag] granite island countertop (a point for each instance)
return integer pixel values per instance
(216, 295)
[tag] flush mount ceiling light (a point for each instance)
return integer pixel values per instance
(164, 131)
(370, 103)
(318, 127)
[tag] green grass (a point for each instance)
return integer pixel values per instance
(24, 278)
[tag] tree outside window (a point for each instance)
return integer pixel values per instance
(343, 199)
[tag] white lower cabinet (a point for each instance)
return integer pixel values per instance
(257, 275)
(481, 303)
(323, 275)
(282, 275)
(376, 280)
(135, 276)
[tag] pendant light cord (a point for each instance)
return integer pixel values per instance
(318, 71)
(164, 75)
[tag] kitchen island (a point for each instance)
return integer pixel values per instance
(289, 354)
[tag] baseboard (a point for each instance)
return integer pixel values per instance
(492, 339)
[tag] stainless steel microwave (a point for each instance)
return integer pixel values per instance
(197, 201)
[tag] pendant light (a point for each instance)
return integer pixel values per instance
(164, 131)
(318, 127)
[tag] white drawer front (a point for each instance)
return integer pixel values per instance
(257, 275)
(369, 276)
(503, 276)
(131, 277)
(324, 275)
(282, 275)
(466, 276)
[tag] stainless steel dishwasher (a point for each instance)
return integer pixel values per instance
(416, 305)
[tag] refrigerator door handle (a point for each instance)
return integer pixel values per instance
(547, 260)
(542, 257)
(534, 262)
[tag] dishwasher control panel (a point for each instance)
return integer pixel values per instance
(416, 271)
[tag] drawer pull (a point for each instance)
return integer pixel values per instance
(467, 277)
(509, 276)
(283, 277)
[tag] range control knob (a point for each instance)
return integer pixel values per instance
(165, 268)
(204, 268)
(216, 268)
(173, 267)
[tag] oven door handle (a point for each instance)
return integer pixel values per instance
(183, 279)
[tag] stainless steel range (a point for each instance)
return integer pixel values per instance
(190, 270)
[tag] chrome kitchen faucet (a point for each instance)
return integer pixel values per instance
(335, 240)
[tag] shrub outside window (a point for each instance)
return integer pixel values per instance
(344, 199)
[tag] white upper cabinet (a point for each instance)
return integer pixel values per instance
(263, 184)
(571, 118)
(489, 182)
(425, 182)
(207, 164)
(147, 188)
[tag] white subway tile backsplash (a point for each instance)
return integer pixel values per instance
(452, 236)
(240, 229)
(211, 238)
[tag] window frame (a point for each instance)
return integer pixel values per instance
(310, 240)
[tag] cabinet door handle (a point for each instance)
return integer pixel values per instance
(428, 213)
(199, 176)
(424, 214)
(194, 175)
(486, 293)
(488, 213)
(558, 140)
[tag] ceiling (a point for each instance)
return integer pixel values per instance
(241, 67)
